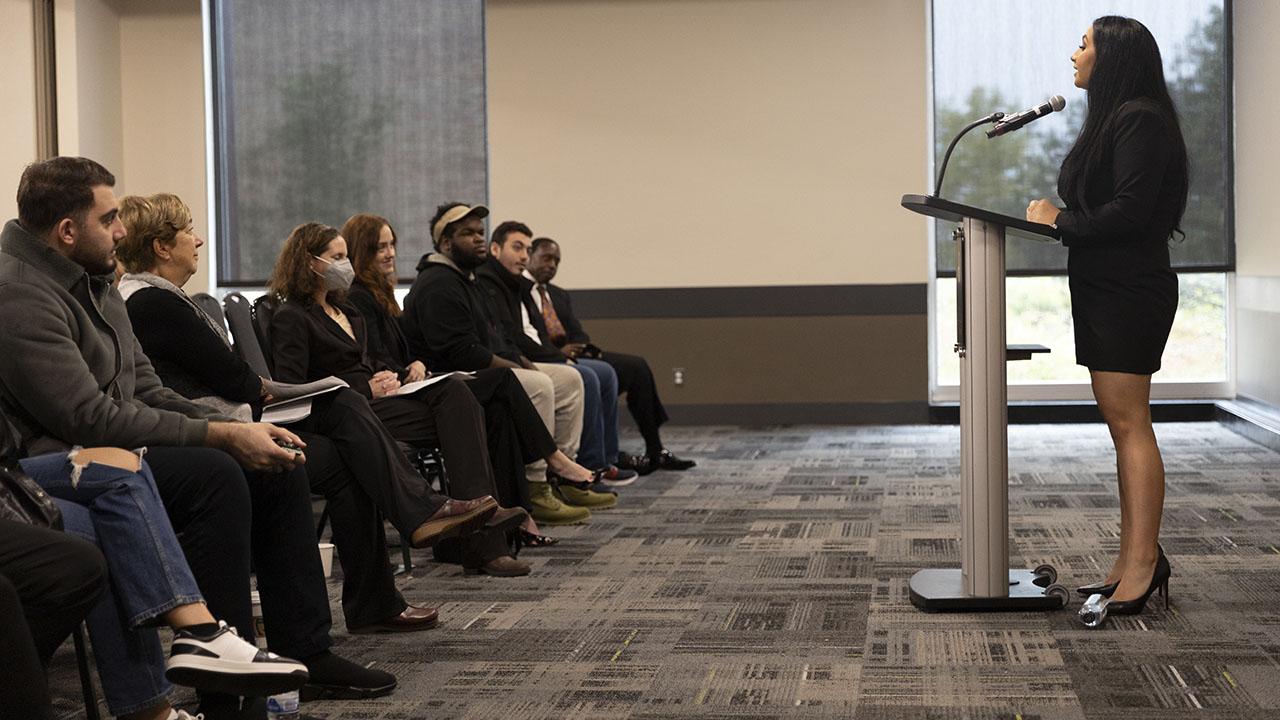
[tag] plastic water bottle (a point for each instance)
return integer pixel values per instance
(1094, 612)
(283, 706)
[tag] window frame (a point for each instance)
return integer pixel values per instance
(1081, 391)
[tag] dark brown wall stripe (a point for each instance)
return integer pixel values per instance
(759, 301)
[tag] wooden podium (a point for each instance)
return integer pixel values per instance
(984, 580)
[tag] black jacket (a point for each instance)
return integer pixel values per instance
(506, 294)
(564, 310)
(1133, 197)
(384, 342)
(306, 345)
(188, 356)
(447, 320)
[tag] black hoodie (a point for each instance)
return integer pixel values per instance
(506, 293)
(447, 320)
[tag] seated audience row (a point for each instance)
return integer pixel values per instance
(73, 374)
(231, 492)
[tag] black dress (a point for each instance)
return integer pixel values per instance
(1123, 292)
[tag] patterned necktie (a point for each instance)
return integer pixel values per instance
(554, 327)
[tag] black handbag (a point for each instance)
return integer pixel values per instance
(21, 499)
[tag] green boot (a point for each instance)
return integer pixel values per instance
(548, 510)
(581, 495)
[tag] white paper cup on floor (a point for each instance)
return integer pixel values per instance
(259, 630)
(326, 558)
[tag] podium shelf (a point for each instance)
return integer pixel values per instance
(1023, 352)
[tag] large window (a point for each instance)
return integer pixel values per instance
(326, 108)
(1009, 55)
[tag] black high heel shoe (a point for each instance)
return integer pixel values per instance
(1097, 608)
(1159, 581)
(1106, 589)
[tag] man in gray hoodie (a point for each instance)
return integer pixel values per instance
(72, 373)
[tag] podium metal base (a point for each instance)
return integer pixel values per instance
(942, 590)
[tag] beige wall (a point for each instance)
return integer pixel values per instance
(1257, 100)
(130, 95)
(713, 143)
(18, 121)
(162, 106)
(89, 83)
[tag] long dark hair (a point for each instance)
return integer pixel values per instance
(1126, 66)
(362, 233)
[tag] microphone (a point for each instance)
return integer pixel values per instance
(1014, 122)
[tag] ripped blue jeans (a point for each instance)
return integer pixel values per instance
(121, 512)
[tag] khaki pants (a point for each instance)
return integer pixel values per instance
(556, 391)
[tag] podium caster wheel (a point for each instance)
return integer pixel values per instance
(1060, 592)
(1046, 575)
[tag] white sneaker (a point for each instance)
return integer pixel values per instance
(176, 714)
(225, 663)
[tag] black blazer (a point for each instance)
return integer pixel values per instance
(306, 345)
(573, 331)
(1134, 196)
(385, 342)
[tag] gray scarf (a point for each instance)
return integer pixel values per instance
(131, 283)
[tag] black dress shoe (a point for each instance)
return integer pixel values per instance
(412, 619)
(505, 566)
(666, 461)
(642, 464)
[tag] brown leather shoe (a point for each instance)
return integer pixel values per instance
(505, 566)
(455, 517)
(413, 618)
(506, 519)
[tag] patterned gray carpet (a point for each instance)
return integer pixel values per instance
(771, 582)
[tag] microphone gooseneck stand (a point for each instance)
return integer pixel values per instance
(993, 117)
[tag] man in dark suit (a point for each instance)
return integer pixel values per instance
(635, 378)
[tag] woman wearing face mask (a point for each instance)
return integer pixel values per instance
(316, 333)
(351, 459)
(1125, 185)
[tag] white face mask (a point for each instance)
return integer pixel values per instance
(338, 274)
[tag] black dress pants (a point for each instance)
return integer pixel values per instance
(355, 463)
(635, 378)
(224, 517)
(48, 583)
(446, 416)
(516, 433)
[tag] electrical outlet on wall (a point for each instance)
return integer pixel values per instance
(677, 376)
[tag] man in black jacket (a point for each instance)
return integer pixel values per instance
(448, 323)
(635, 378)
(502, 277)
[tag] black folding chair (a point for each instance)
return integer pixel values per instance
(211, 307)
(86, 680)
(240, 320)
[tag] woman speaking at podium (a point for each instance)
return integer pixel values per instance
(1125, 187)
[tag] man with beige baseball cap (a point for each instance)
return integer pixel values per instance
(448, 325)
